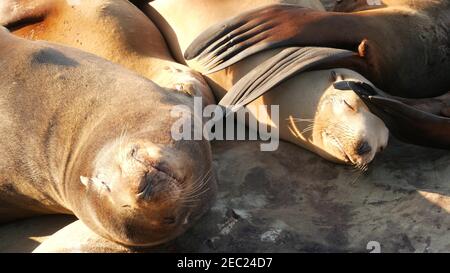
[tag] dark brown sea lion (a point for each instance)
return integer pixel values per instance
(84, 136)
(406, 46)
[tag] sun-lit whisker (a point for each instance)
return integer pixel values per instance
(363, 167)
(307, 129)
(357, 177)
(196, 195)
(121, 140)
(199, 183)
(200, 189)
(188, 195)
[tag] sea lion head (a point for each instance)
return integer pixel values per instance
(141, 186)
(344, 128)
(141, 193)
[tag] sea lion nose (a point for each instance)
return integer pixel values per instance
(154, 171)
(363, 148)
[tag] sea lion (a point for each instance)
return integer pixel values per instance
(115, 30)
(84, 136)
(344, 130)
(405, 45)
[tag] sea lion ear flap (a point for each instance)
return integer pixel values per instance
(336, 77)
(97, 183)
(364, 49)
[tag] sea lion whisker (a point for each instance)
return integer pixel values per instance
(307, 129)
(200, 180)
(188, 197)
(121, 140)
(194, 198)
(357, 177)
(199, 191)
(196, 194)
(199, 184)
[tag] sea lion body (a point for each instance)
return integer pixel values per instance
(405, 46)
(85, 136)
(298, 97)
(114, 30)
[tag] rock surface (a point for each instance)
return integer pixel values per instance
(291, 200)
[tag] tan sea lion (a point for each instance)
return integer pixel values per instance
(115, 30)
(84, 136)
(344, 130)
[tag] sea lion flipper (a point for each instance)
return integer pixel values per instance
(280, 67)
(76, 237)
(221, 32)
(409, 123)
(265, 28)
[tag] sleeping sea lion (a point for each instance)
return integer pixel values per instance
(84, 136)
(314, 115)
(405, 46)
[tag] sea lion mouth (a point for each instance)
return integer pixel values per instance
(156, 183)
(336, 143)
(362, 166)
